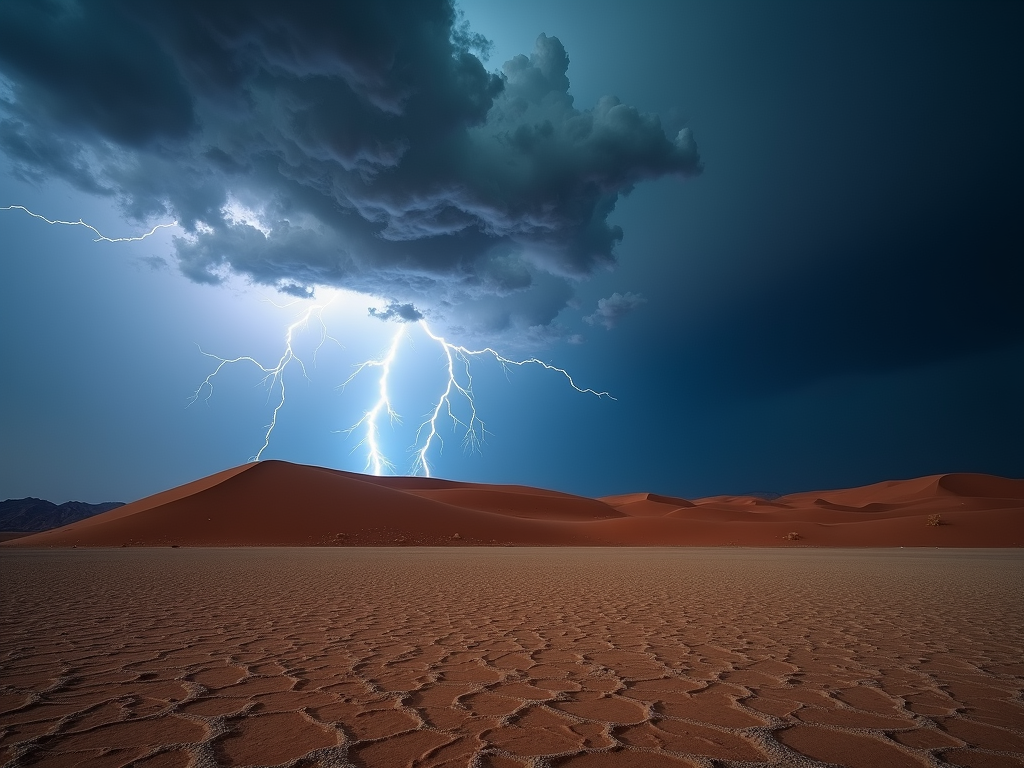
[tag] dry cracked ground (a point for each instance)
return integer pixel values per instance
(508, 658)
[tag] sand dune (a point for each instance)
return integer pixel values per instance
(646, 504)
(274, 503)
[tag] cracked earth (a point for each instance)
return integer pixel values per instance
(511, 658)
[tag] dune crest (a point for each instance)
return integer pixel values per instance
(276, 503)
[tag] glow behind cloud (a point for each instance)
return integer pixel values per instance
(456, 383)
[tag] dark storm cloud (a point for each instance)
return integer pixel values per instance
(361, 145)
(403, 313)
(92, 73)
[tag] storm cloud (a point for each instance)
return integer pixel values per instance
(401, 313)
(357, 145)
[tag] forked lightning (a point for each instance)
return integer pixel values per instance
(457, 381)
(458, 384)
(273, 376)
(100, 237)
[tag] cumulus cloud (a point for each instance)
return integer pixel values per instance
(358, 145)
(614, 308)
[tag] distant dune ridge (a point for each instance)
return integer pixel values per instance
(276, 503)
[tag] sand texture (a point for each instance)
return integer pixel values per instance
(499, 658)
(275, 503)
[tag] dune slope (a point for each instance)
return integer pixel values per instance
(275, 503)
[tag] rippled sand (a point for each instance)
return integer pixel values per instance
(511, 657)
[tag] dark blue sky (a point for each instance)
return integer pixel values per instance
(811, 261)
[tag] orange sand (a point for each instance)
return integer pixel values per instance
(275, 503)
(503, 658)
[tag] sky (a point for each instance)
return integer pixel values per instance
(785, 238)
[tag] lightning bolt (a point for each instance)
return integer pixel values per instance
(273, 376)
(474, 430)
(100, 237)
(458, 381)
(458, 386)
(376, 460)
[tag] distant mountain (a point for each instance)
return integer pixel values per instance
(41, 515)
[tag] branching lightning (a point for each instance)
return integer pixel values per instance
(100, 237)
(458, 364)
(273, 376)
(376, 460)
(457, 357)
(457, 387)
(458, 380)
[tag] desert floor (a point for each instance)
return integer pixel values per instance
(511, 657)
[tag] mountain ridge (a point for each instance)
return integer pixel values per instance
(31, 515)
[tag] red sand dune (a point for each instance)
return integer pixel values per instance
(274, 503)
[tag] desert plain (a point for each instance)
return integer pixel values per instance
(279, 615)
